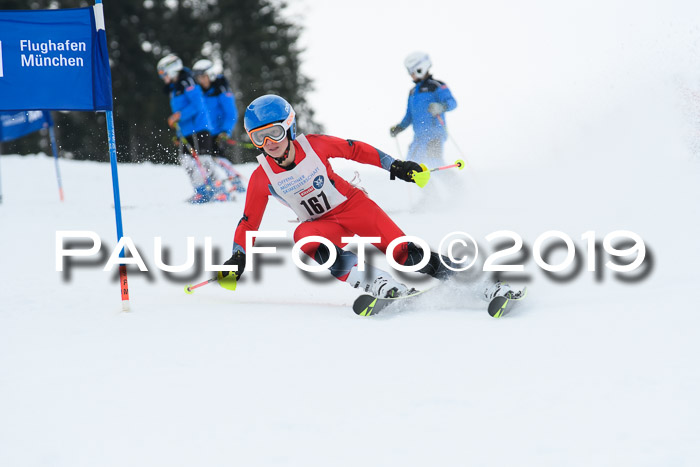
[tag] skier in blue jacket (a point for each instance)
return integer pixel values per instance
(220, 102)
(190, 113)
(427, 103)
(221, 105)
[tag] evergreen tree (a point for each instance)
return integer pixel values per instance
(252, 38)
(260, 48)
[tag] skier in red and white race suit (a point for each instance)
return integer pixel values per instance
(295, 169)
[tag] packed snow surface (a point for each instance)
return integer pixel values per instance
(592, 370)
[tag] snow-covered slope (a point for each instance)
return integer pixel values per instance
(281, 372)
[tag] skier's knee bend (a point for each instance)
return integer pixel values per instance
(436, 264)
(344, 260)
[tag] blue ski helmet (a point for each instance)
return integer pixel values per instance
(269, 109)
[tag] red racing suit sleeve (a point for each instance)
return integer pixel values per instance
(256, 200)
(331, 146)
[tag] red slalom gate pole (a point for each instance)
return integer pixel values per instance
(124, 284)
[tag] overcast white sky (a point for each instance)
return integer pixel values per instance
(534, 80)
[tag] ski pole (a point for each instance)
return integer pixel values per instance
(458, 164)
(192, 151)
(229, 282)
(242, 144)
(398, 151)
(190, 288)
(184, 142)
(449, 135)
(398, 147)
(421, 178)
(230, 178)
(52, 137)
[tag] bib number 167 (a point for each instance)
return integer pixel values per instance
(313, 204)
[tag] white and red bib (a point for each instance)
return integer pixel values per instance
(306, 188)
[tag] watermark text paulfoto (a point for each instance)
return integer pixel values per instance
(625, 249)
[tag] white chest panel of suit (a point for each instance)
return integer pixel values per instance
(306, 188)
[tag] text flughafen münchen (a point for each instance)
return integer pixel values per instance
(42, 54)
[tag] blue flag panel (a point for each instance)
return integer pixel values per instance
(54, 60)
(14, 125)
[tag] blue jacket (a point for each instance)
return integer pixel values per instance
(186, 97)
(425, 126)
(221, 106)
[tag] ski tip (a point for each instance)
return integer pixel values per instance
(368, 305)
(369, 309)
(498, 306)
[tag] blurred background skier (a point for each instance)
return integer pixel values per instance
(223, 115)
(191, 120)
(220, 103)
(427, 103)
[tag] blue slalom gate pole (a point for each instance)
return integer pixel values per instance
(52, 135)
(0, 183)
(124, 283)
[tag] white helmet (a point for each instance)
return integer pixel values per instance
(205, 66)
(418, 63)
(170, 66)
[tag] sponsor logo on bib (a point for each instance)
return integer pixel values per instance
(306, 191)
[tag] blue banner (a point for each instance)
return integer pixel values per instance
(14, 125)
(54, 60)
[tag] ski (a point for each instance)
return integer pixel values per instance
(369, 305)
(499, 306)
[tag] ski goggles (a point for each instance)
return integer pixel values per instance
(274, 132)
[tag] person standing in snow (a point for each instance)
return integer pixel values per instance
(190, 114)
(219, 101)
(295, 169)
(427, 103)
(221, 106)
